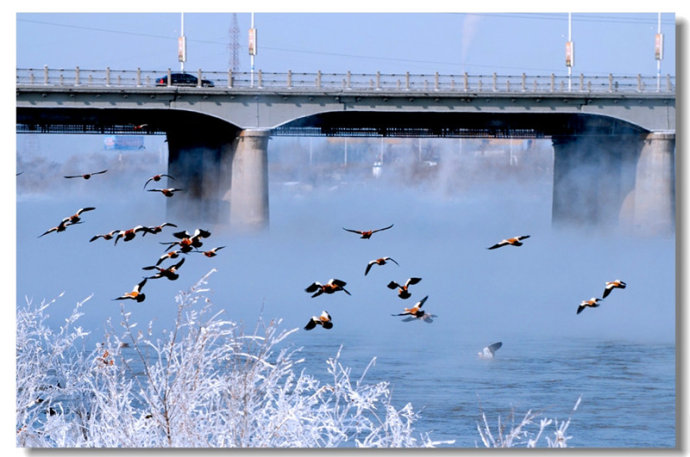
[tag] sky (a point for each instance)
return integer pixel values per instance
(426, 42)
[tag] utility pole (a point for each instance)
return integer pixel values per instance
(658, 52)
(182, 45)
(252, 50)
(569, 51)
(235, 45)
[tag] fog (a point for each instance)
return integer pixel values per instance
(445, 215)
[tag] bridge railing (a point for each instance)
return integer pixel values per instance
(338, 82)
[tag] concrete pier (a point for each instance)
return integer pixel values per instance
(592, 175)
(248, 192)
(654, 197)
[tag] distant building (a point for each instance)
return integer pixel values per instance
(124, 142)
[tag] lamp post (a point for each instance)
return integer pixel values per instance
(182, 45)
(658, 51)
(252, 50)
(569, 51)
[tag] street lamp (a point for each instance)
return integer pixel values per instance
(182, 45)
(658, 51)
(252, 50)
(569, 51)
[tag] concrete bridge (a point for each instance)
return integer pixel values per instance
(613, 137)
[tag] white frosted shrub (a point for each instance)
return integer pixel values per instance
(204, 383)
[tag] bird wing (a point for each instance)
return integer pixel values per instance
(369, 267)
(327, 324)
(381, 229)
(494, 347)
(420, 303)
(88, 208)
(138, 287)
(99, 172)
(393, 285)
(313, 287)
(179, 264)
(522, 237)
(353, 231)
(48, 231)
(338, 282)
(183, 234)
(412, 281)
(392, 260)
(310, 325)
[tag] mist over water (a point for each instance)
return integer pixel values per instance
(524, 296)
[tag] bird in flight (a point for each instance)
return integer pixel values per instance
(211, 252)
(135, 294)
(129, 234)
(169, 192)
(489, 351)
(87, 175)
(402, 290)
(188, 241)
(156, 178)
(610, 285)
(105, 236)
(333, 285)
(379, 261)
(158, 228)
(61, 227)
(76, 217)
(168, 255)
(415, 311)
(324, 320)
(515, 241)
(170, 272)
(591, 303)
(366, 233)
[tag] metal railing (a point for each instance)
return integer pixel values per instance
(362, 82)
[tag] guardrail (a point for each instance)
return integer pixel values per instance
(338, 82)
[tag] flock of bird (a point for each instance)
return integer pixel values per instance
(416, 312)
(192, 242)
(187, 242)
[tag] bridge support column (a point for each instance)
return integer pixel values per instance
(654, 195)
(592, 176)
(248, 191)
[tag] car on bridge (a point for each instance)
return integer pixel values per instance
(183, 79)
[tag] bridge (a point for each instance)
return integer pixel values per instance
(619, 130)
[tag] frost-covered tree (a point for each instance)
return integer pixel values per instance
(204, 383)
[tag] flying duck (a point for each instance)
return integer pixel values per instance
(333, 285)
(170, 272)
(380, 261)
(489, 351)
(403, 292)
(367, 233)
(610, 285)
(591, 303)
(135, 294)
(87, 175)
(515, 241)
(324, 320)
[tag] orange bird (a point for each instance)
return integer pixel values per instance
(415, 311)
(158, 228)
(187, 241)
(87, 175)
(610, 285)
(76, 217)
(168, 255)
(156, 178)
(170, 272)
(129, 234)
(211, 252)
(324, 320)
(402, 290)
(169, 192)
(105, 236)
(135, 294)
(380, 261)
(591, 303)
(61, 227)
(333, 285)
(367, 233)
(515, 241)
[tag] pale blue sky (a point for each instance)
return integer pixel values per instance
(450, 43)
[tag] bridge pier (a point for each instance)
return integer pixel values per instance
(654, 196)
(247, 193)
(592, 175)
(612, 180)
(224, 176)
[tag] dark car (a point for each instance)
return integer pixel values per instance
(183, 79)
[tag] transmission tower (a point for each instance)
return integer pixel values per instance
(235, 45)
